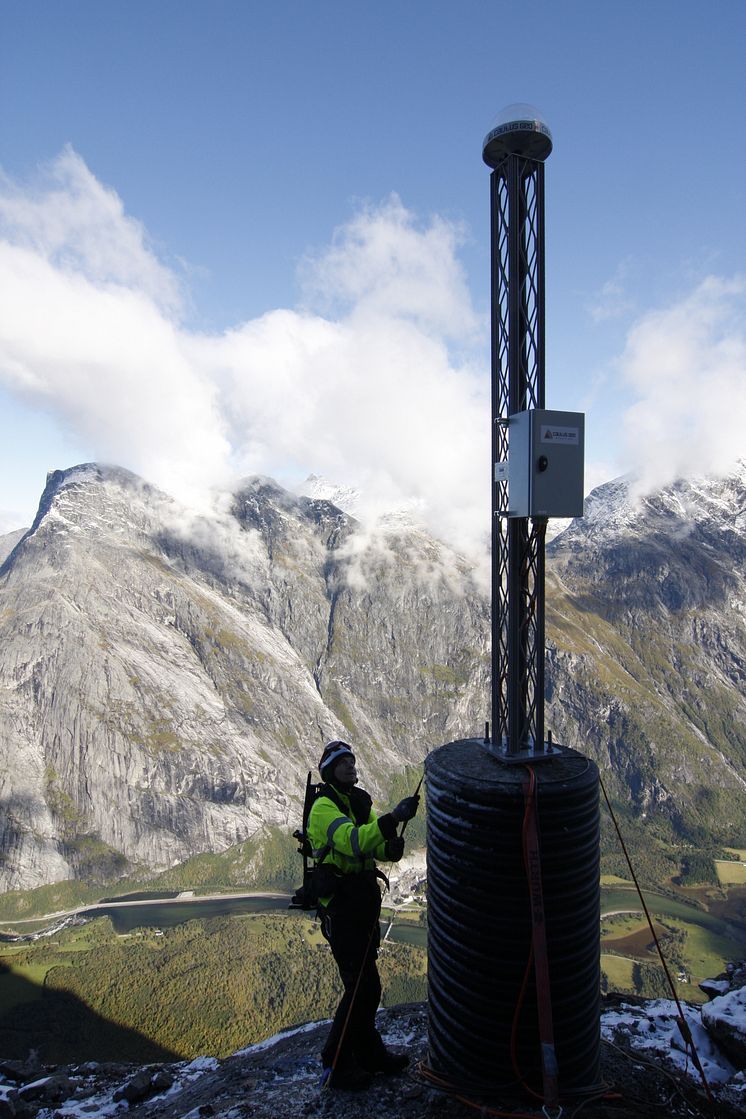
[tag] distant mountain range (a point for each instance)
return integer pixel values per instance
(167, 679)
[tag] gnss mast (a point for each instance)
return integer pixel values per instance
(537, 455)
(512, 820)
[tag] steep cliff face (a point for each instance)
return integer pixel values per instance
(391, 626)
(167, 680)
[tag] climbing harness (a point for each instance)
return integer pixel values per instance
(321, 879)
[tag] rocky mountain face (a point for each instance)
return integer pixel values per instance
(167, 679)
(646, 604)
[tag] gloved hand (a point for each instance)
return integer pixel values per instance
(394, 849)
(406, 809)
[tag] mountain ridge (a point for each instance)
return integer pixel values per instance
(203, 660)
(671, 600)
(168, 676)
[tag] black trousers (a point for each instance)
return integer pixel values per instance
(351, 925)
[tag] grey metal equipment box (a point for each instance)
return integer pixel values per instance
(545, 466)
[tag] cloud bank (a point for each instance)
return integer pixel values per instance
(359, 384)
(686, 366)
(378, 379)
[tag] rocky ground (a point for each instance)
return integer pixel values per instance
(279, 1079)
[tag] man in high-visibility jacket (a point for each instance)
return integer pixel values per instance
(347, 837)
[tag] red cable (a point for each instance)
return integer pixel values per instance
(539, 954)
(454, 1092)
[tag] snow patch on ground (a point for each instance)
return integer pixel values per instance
(92, 1107)
(281, 1036)
(654, 1027)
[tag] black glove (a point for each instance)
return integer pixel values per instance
(394, 849)
(406, 809)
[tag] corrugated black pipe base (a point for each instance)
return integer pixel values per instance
(479, 917)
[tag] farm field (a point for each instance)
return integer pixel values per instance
(629, 936)
(731, 874)
(619, 972)
(696, 943)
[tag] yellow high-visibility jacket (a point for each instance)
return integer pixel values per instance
(345, 832)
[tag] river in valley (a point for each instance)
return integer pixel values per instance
(140, 911)
(164, 914)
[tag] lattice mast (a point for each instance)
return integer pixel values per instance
(516, 149)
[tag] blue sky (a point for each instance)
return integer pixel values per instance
(249, 236)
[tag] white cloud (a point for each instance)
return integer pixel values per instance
(71, 220)
(370, 394)
(686, 366)
(381, 263)
(613, 300)
(370, 400)
(112, 367)
(366, 383)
